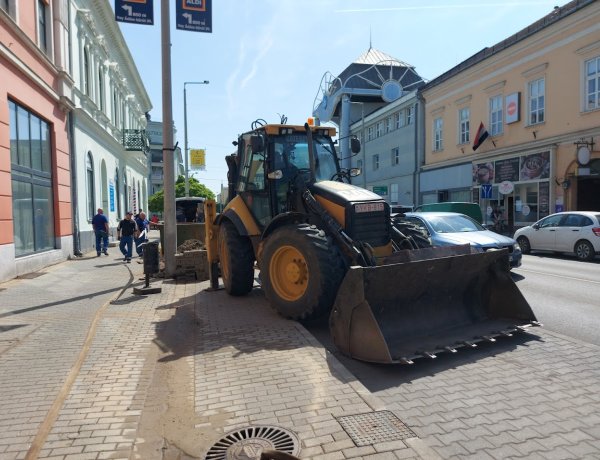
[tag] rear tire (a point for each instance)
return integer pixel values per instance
(584, 250)
(524, 244)
(301, 271)
(237, 260)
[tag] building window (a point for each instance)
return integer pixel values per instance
(397, 120)
(4, 6)
(42, 27)
(389, 124)
(370, 133)
(394, 194)
(536, 101)
(464, 121)
(495, 115)
(592, 83)
(396, 156)
(379, 129)
(409, 115)
(91, 196)
(376, 161)
(101, 94)
(86, 72)
(438, 125)
(31, 180)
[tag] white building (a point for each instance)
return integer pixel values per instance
(109, 145)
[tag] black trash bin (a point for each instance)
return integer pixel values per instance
(151, 266)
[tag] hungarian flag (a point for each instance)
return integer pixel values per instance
(481, 136)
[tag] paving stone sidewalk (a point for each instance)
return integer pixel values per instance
(90, 371)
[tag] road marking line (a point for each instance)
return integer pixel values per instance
(558, 276)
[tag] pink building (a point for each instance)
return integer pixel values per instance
(35, 102)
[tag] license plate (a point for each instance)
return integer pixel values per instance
(368, 207)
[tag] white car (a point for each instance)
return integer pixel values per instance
(575, 232)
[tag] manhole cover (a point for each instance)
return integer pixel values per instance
(375, 427)
(248, 443)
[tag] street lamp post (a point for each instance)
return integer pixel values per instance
(185, 153)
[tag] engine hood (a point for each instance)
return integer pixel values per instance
(340, 192)
(485, 239)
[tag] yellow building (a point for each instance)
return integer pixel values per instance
(537, 96)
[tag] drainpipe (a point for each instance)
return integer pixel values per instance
(74, 206)
(419, 147)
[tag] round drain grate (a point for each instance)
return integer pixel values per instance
(248, 443)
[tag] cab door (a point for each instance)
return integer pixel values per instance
(252, 186)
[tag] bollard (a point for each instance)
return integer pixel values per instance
(151, 266)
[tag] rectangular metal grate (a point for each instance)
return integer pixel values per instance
(375, 427)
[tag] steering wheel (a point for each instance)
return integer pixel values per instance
(341, 176)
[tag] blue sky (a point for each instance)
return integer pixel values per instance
(267, 57)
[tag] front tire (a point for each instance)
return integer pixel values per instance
(584, 250)
(237, 260)
(524, 245)
(301, 271)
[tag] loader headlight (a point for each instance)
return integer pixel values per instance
(516, 247)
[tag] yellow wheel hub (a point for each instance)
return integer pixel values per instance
(289, 273)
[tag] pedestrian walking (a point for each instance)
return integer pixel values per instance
(143, 228)
(100, 226)
(126, 231)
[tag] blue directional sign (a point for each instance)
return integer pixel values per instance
(194, 15)
(486, 191)
(135, 11)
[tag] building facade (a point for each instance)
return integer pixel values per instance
(389, 155)
(35, 102)
(154, 131)
(72, 120)
(518, 124)
(110, 148)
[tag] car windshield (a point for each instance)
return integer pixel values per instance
(454, 224)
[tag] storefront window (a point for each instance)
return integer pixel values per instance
(31, 181)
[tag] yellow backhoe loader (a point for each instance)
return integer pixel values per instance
(324, 246)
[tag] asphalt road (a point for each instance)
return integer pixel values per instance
(564, 294)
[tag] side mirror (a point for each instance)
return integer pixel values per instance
(353, 172)
(536, 226)
(257, 143)
(354, 145)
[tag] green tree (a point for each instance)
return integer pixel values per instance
(156, 202)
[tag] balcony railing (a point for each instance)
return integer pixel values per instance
(136, 139)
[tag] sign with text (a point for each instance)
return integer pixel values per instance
(507, 170)
(198, 159)
(194, 15)
(135, 11)
(380, 190)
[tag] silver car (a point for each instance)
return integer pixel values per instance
(575, 232)
(451, 228)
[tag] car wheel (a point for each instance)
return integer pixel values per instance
(524, 244)
(584, 250)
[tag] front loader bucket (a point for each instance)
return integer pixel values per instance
(436, 300)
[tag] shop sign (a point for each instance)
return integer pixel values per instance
(483, 173)
(507, 170)
(506, 187)
(536, 166)
(512, 108)
(380, 190)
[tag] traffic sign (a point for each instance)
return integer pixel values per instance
(486, 191)
(135, 11)
(194, 15)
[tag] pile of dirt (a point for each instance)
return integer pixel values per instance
(190, 245)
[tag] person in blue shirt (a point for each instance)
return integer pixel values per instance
(143, 227)
(100, 225)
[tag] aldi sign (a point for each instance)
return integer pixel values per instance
(194, 15)
(135, 11)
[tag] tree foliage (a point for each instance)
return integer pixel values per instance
(156, 203)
